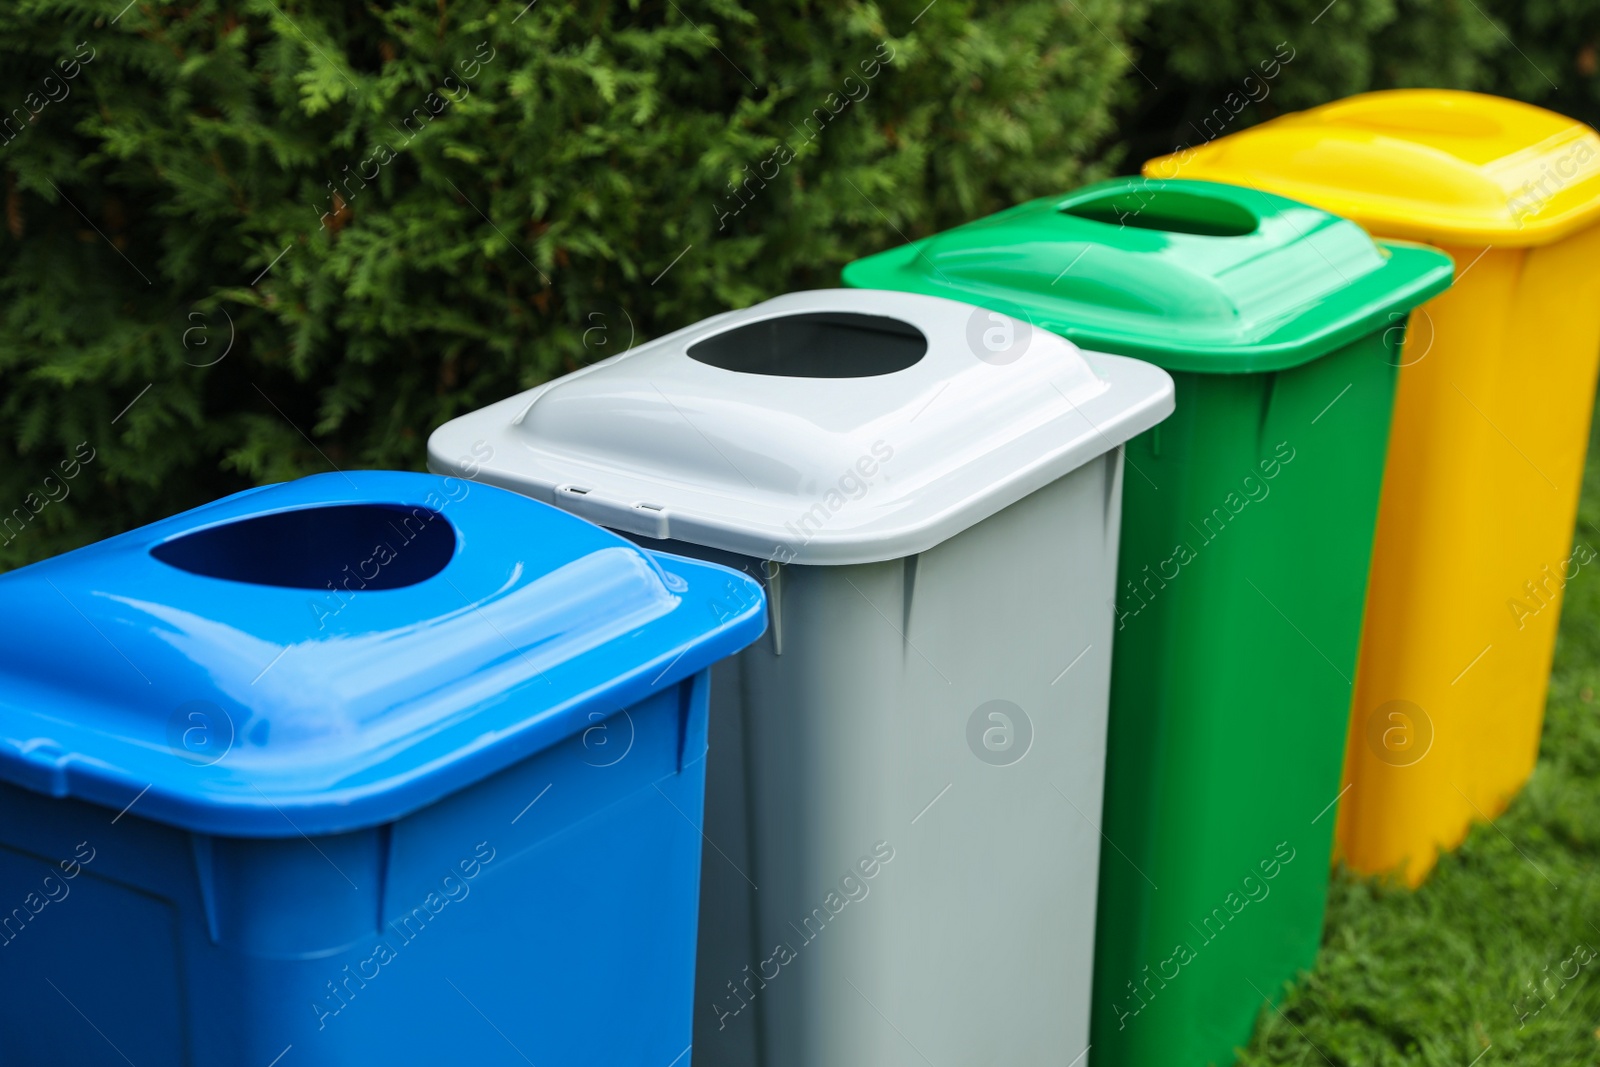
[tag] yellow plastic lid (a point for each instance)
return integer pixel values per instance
(1434, 165)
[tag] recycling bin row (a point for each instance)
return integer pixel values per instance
(1227, 738)
(961, 663)
(403, 766)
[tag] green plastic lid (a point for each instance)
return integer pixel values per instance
(1190, 275)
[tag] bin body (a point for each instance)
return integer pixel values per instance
(1474, 540)
(481, 904)
(1248, 520)
(851, 735)
(878, 891)
(1234, 659)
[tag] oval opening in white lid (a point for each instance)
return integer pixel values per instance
(815, 344)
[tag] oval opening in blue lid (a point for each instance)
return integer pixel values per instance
(311, 548)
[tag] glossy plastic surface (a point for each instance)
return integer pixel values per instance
(843, 739)
(1491, 424)
(355, 645)
(1189, 275)
(1434, 165)
(1474, 549)
(1246, 536)
(807, 466)
(489, 928)
(961, 507)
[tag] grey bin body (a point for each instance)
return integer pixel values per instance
(976, 940)
(905, 774)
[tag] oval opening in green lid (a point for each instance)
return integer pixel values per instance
(1168, 210)
(1189, 275)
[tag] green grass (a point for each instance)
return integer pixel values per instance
(1466, 967)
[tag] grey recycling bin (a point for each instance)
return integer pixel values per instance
(905, 774)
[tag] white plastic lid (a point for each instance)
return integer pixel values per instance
(830, 427)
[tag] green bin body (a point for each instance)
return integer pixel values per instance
(1247, 530)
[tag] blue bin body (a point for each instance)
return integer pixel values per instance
(446, 812)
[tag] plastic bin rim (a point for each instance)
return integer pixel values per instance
(65, 739)
(1119, 398)
(1413, 274)
(1413, 218)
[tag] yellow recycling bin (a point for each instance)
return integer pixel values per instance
(1491, 423)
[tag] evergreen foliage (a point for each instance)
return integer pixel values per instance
(297, 234)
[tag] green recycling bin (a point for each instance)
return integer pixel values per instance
(1247, 530)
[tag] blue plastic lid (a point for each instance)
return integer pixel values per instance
(338, 651)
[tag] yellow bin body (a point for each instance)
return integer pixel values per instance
(1491, 423)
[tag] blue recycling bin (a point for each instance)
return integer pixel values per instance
(363, 768)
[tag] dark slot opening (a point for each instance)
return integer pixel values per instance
(822, 344)
(1169, 210)
(384, 546)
